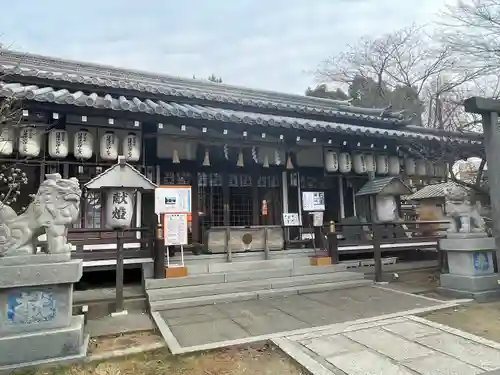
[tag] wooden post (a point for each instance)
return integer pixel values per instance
(333, 249)
(227, 246)
(266, 245)
(159, 255)
(119, 273)
(377, 252)
(225, 198)
(195, 209)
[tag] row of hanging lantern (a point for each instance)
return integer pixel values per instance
(30, 140)
(382, 164)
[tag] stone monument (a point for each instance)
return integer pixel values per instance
(470, 252)
(36, 322)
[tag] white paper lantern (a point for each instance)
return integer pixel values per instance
(410, 166)
(83, 145)
(393, 165)
(119, 208)
(386, 208)
(345, 162)
(29, 142)
(109, 146)
(371, 164)
(421, 167)
(132, 147)
(359, 163)
(331, 161)
(382, 164)
(58, 143)
(7, 141)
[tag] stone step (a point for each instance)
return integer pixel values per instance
(244, 256)
(256, 294)
(248, 265)
(155, 295)
(216, 278)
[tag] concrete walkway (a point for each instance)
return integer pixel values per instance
(212, 326)
(399, 346)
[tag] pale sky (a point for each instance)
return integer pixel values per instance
(268, 44)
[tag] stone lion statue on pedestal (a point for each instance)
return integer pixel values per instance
(55, 206)
(465, 216)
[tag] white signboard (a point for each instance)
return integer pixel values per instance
(173, 199)
(291, 220)
(317, 219)
(313, 200)
(175, 229)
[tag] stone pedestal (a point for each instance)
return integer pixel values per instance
(36, 323)
(470, 262)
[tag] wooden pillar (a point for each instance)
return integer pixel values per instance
(195, 209)
(225, 197)
(341, 196)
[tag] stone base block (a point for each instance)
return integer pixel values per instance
(38, 270)
(35, 308)
(45, 346)
(470, 283)
(486, 296)
(321, 261)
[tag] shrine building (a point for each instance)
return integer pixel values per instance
(249, 155)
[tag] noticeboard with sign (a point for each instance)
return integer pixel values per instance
(173, 199)
(313, 200)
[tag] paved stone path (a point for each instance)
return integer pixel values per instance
(225, 324)
(399, 346)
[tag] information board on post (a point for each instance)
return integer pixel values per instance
(173, 199)
(173, 207)
(291, 220)
(313, 200)
(175, 229)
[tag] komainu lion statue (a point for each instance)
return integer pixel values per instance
(465, 217)
(55, 206)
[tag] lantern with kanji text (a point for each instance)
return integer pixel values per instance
(58, 143)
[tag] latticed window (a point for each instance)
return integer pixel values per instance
(240, 200)
(270, 192)
(210, 199)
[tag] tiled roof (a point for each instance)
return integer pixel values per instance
(159, 107)
(430, 191)
(16, 63)
(379, 185)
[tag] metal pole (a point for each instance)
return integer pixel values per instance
(119, 272)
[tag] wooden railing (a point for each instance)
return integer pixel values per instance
(89, 247)
(384, 237)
